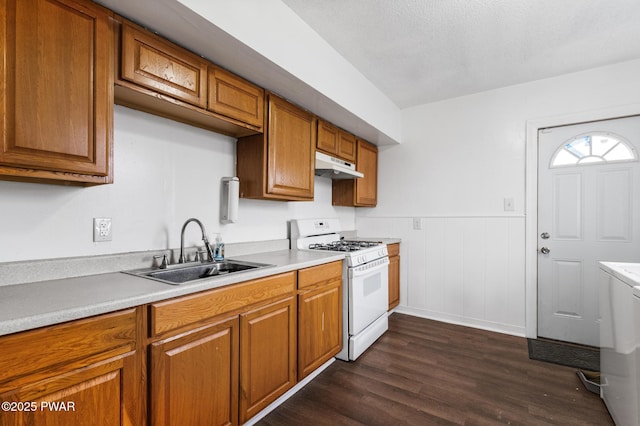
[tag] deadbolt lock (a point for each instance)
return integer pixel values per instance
(545, 235)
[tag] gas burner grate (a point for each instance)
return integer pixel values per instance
(344, 245)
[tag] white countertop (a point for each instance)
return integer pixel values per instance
(33, 305)
(628, 273)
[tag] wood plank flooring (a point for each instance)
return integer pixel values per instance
(424, 372)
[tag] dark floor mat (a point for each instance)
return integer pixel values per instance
(572, 355)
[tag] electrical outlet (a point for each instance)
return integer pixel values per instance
(417, 223)
(101, 229)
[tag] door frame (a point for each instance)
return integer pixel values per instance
(531, 195)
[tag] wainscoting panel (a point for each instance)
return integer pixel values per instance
(463, 270)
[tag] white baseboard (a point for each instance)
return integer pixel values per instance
(459, 320)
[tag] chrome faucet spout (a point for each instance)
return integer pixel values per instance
(207, 246)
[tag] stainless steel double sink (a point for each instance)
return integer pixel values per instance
(190, 272)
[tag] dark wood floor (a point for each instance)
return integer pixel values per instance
(424, 372)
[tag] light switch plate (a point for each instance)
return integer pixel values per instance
(101, 229)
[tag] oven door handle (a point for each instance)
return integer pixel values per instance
(370, 268)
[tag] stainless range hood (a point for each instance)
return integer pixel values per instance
(335, 168)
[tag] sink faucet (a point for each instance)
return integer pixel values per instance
(181, 259)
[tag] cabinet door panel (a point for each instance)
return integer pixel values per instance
(154, 63)
(328, 137)
(319, 327)
(57, 98)
(347, 147)
(367, 163)
(233, 97)
(291, 153)
(267, 355)
(79, 397)
(394, 281)
(194, 378)
(361, 192)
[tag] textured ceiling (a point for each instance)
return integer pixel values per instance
(420, 51)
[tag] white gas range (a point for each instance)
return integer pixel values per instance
(365, 275)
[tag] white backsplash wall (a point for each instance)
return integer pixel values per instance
(165, 173)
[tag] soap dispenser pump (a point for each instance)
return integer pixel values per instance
(218, 252)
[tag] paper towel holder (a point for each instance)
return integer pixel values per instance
(229, 199)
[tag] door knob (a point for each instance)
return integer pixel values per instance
(545, 250)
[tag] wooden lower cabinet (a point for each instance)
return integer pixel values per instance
(212, 358)
(394, 275)
(267, 355)
(75, 397)
(319, 328)
(319, 316)
(76, 373)
(194, 376)
(220, 356)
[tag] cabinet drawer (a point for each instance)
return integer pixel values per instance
(36, 350)
(184, 311)
(319, 274)
(233, 97)
(156, 64)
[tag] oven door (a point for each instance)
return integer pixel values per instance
(368, 293)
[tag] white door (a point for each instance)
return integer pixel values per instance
(588, 211)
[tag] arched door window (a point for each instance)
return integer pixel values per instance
(593, 148)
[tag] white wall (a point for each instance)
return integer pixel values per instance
(165, 173)
(459, 159)
(271, 28)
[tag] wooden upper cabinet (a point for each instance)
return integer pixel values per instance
(153, 62)
(367, 163)
(280, 164)
(347, 147)
(361, 192)
(328, 137)
(234, 97)
(56, 92)
(336, 142)
(291, 157)
(161, 78)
